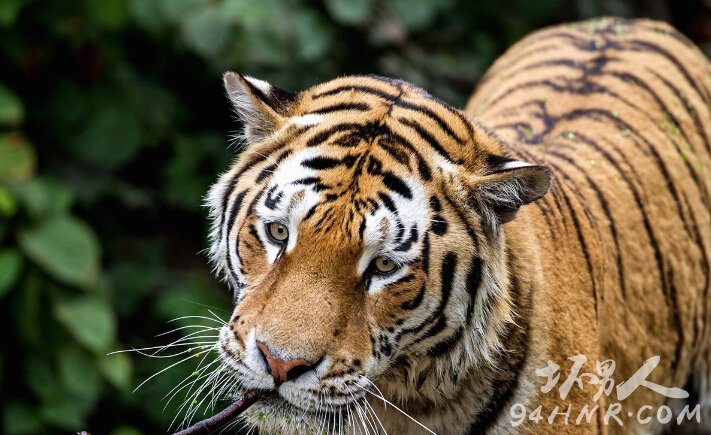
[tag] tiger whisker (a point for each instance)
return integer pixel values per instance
(210, 308)
(189, 350)
(216, 316)
(190, 401)
(361, 411)
(221, 386)
(168, 368)
(192, 336)
(186, 341)
(202, 327)
(186, 383)
(158, 347)
(195, 317)
(374, 414)
(384, 400)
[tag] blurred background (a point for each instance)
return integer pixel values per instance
(113, 124)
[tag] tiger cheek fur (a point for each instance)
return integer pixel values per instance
(380, 242)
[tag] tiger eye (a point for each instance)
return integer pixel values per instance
(278, 231)
(384, 265)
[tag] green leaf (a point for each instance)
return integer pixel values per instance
(207, 31)
(89, 320)
(27, 309)
(112, 137)
(313, 36)
(43, 197)
(176, 11)
(12, 112)
(415, 15)
(146, 13)
(18, 419)
(111, 14)
(10, 266)
(78, 373)
(352, 12)
(17, 158)
(8, 203)
(117, 369)
(64, 247)
(66, 411)
(41, 379)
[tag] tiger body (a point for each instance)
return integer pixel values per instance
(394, 248)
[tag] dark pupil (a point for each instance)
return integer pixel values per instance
(385, 262)
(280, 230)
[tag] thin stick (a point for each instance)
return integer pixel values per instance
(220, 419)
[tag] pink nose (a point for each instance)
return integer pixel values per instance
(282, 370)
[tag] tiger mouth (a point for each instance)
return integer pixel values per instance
(319, 404)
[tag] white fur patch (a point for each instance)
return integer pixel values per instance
(307, 120)
(288, 212)
(263, 86)
(381, 240)
(515, 164)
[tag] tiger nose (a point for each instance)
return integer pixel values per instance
(283, 370)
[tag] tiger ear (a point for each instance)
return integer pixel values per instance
(261, 106)
(504, 185)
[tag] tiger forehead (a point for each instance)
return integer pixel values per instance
(349, 189)
(391, 109)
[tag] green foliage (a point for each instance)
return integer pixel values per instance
(113, 124)
(65, 248)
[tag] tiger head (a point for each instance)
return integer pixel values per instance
(361, 230)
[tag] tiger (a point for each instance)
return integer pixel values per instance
(403, 266)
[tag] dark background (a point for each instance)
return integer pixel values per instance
(113, 123)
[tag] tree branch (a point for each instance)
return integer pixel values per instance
(220, 419)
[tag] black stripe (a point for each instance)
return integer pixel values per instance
(236, 206)
(422, 164)
(324, 135)
(687, 106)
(426, 253)
(361, 107)
(447, 275)
(608, 214)
(439, 225)
(583, 245)
(358, 88)
(446, 344)
(272, 201)
(264, 173)
(414, 303)
(321, 163)
(394, 183)
(387, 202)
(472, 286)
(510, 366)
(246, 166)
(427, 137)
(407, 244)
(433, 116)
(639, 45)
(638, 201)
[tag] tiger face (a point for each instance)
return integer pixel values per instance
(361, 230)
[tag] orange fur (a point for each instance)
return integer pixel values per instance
(613, 263)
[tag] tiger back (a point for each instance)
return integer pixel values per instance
(620, 111)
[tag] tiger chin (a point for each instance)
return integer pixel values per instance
(403, 266)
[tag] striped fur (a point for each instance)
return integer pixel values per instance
(612, 263)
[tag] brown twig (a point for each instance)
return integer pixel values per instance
(222, 418)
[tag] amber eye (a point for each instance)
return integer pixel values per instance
(277, 231)
(384, 265)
